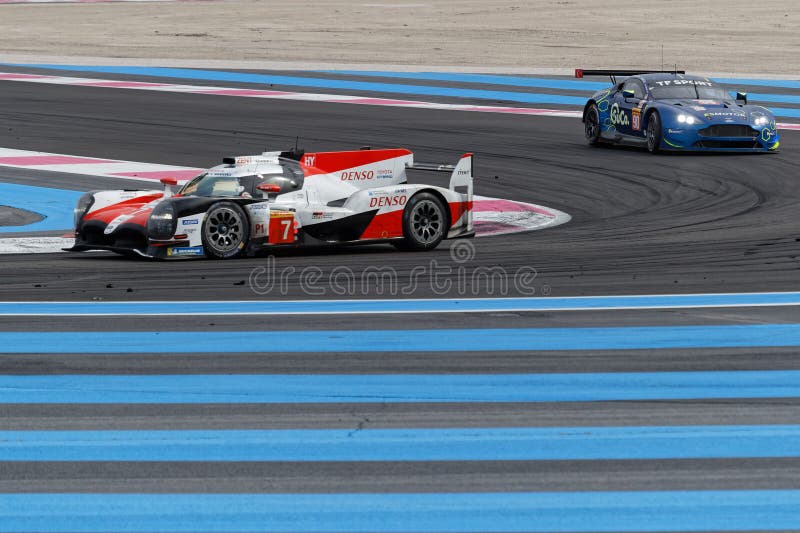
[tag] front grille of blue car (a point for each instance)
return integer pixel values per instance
(729, 130)
(714, 143)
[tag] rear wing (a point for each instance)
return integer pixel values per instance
(460, 179)
(614, 74)
(460, 173)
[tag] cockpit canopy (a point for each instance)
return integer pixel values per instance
(231, 182)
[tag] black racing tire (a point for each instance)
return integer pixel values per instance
(591, 125)
(653, 133)
(225, 231)
(425, 223)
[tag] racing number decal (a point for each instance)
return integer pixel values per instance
(636, 115)
(281, 227)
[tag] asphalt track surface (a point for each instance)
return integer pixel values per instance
(641, 224)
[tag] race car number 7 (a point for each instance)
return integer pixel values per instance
(280, 229)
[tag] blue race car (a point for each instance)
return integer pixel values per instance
(673, 111)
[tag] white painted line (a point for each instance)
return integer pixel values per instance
(34, 245)
(280, 95)
(304, 97)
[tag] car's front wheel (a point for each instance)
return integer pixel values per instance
(654, 133)
(425, 223)
(591, 125)
(225, 231)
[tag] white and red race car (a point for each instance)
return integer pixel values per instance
(251, 203)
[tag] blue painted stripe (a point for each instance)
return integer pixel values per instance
(549, 83)
(785, 112)
(393, 388)
(393, 88)
(558, 83)
(463, 340)
(297, 81)
(487, 79)
(471, 444)
(641, 511)
(785, 98)
(786, 84)
(53, 204)
(442, 305)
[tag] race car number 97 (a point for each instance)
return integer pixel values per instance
(281, 227)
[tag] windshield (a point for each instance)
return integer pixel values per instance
(206, 185)
(687, 90)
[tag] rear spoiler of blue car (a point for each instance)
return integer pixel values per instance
(580, 73)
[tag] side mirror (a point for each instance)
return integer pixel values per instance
(741, 97)
(627, 93)
(168, 183)
(271, 189)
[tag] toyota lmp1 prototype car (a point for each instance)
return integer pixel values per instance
(673, 111)
(251, 203)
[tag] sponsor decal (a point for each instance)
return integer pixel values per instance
(707, 102)
(636, 119)
(190, 222)
(356, 175)
(723, 114)
(258, 216)
(277, 213)
(319, 215)
(666, 83)
(387, 201)
(242, 160)
(674, 131)
(698, 108)
(385, 174)
(309, 160)
(190, 231)
(186, 251)
(618, 116)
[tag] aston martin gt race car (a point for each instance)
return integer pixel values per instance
(252, 203)
(673, 111)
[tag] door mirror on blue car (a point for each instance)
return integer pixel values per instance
(741, 98)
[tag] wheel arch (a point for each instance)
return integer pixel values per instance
(649, 111)
(586, 108)
(441, 197)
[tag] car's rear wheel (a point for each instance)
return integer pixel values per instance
(225, 231)
(425, 223)
(591, 125)
(654, 133)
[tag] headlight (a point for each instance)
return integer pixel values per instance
(761, 120)
(686, 119)
(161, 224)
(83, 205)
